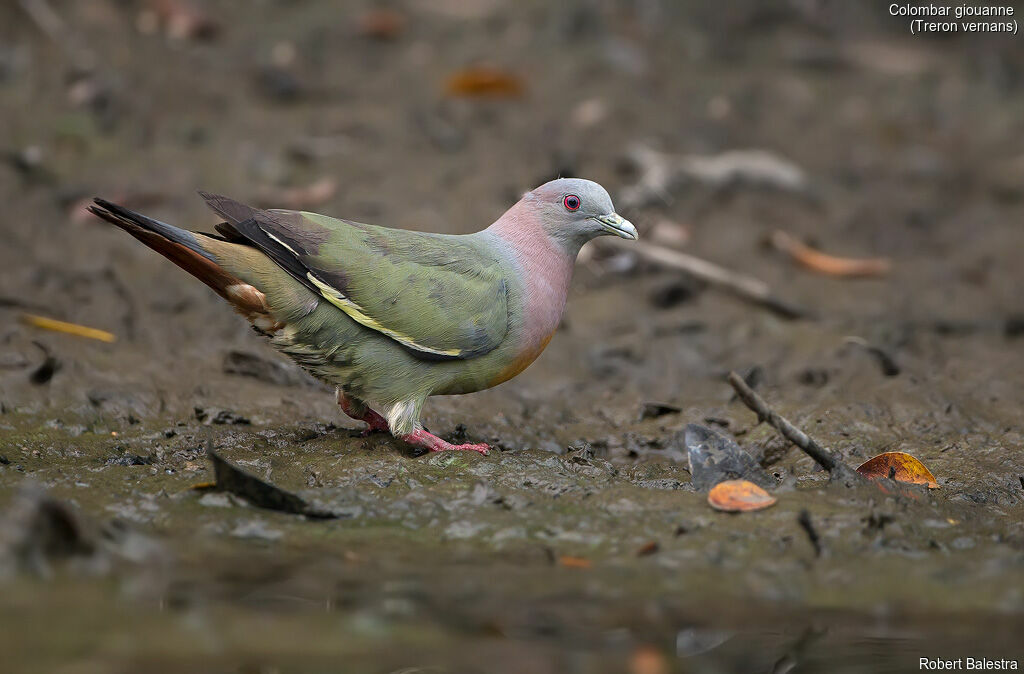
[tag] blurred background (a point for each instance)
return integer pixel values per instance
(752, 135)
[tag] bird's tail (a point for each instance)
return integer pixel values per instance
(186, 250)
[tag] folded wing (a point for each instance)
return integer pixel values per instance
(441, 297)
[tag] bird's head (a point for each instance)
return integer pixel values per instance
(574, 211)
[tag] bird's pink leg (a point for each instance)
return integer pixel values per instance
(361, 412)
(429, 441)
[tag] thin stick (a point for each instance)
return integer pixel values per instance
(746, 287)
(822, 456)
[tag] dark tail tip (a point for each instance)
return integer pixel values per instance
(111, 207)
(121, 216)
(105, 211)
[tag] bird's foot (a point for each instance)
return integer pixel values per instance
(359, 411)
(375, 424)
(432, 443)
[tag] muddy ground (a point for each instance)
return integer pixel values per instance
(579, 545)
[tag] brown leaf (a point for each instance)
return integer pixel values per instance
(299, 198)
(183, 20)
(382, 24)
(739, 496)
(648, 548)
(829, 264)
(647, 659)
(899, 466)
(574, 562)
(484, 82)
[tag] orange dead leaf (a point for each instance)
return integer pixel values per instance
(382, 24)
(484, 82)
(900, 466)
(574, 562)
(738, 496)
(829, 264)
(648, 660)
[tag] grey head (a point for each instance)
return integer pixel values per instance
(574, 211)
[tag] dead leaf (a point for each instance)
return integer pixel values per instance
(739, 496)
(829, 264)
(898, 466)
(647, 659)
(382, 24)
(182, 20)
(574, 562)
(484, 82)
(299, 198)
(54, 325)
(648, 548)
(262, 494)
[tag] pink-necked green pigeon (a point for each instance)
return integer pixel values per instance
(390, 316)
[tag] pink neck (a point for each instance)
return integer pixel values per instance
(547, 271)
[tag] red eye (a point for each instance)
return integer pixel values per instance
(572, 203)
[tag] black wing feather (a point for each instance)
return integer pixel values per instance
(276, 251)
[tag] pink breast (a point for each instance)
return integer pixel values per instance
(547, 273)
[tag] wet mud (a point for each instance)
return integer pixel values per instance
(580, 543)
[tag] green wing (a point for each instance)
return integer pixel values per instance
(440, 296)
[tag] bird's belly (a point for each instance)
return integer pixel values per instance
(488, 371)
(520, 363)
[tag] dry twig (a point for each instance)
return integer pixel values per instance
(746, 287)
(823, 457)
(661, 173)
